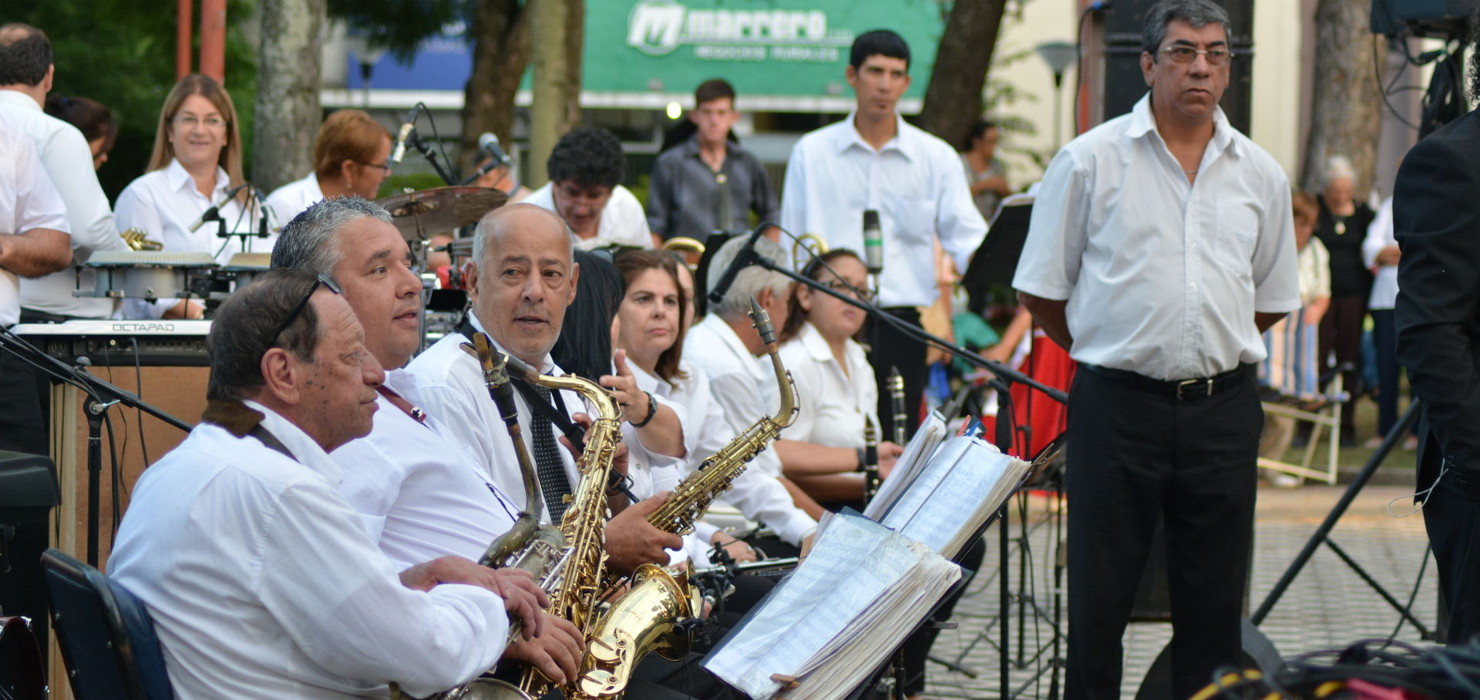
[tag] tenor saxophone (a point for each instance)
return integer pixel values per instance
(692, 496)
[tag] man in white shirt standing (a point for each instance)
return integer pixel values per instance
(421, 494)
(586, 169)
(725, 345)
(874, 160)
(26, 73)
(260, 579)
(33, 242)
(1169, 250)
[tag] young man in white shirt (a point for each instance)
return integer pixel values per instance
(421, 494)
(585, 189)
(260, 579)
(874, 160)
(1168, 250)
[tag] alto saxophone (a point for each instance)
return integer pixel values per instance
(692, 496)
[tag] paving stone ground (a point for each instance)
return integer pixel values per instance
(1328, 605)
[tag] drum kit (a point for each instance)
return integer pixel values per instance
(149, 273)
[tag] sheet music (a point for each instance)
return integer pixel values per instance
(907, 468)
(833, 621)
(964, 483)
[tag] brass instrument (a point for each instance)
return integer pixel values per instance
(809, 243)
(657, 614)
(138, 239)
(896, 400)
(688, 501)
(690, 248)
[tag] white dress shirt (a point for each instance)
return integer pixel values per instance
(422, 494)
(1385, 281)
(164, 203)
(292, 199)
(450, 383)
(27, 201)
(623, 221)
(834, 406)
(68, 161)
(915, 184)
(262, 583)
(1162, 276)
(734, 387)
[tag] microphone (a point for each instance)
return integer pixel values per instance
(400, 152)
(214, 212)
(745, 258)
(268, 217)
(873, 242)
(488, 143)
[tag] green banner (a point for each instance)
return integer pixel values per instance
(779, 48)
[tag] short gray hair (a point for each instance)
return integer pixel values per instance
(1197, 13)
(1338, 167)
(750, 281)
(492, 224)
(307, 242)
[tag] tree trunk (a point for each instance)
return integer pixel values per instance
(556, 108)
(1346, 102)
(287, 106)
(500, 54)
(953, 100)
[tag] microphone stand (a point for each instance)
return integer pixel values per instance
(101, 395)
(431, 156)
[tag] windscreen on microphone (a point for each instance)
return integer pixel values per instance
(488, 143)
(400, 151)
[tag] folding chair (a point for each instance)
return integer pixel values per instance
(105, 634)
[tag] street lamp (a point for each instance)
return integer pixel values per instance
(1059, 55)
(367, 54)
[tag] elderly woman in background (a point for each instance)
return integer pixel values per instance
(351, 156)
(92, 118)
(1342, 227)
(197, 159)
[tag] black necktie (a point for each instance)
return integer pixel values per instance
(553, 482)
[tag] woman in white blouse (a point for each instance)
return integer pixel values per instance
(197, 159)
(822, 451)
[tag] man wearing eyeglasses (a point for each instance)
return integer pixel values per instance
(1169, 249)
(259, 577)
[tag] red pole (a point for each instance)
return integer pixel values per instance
(183, 36)
(213, 39)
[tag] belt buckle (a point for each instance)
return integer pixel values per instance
(1186, 384)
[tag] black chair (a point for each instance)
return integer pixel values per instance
(105, 634)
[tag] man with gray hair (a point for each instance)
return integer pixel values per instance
(260, 578)
(1164, 413)
(421, 493)
(725, 345)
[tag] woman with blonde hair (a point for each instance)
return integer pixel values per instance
(197, 159)
(351, 156)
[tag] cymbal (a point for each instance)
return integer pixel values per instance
(418, 215)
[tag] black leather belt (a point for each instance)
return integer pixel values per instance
(1179, 389)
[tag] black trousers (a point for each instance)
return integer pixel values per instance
(1341, 334)
(1453, 524)
(890, 348)
(1131, 455)
(22, 413)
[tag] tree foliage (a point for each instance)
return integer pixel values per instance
(122, 53)
(399, 25)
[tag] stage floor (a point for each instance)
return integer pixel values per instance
(1328, 606)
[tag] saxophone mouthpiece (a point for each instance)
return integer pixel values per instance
(762, 321)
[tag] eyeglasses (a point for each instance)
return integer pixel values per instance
(192, 122)
(841, 287)
(386, 166)
(324, 281)
(1187, 54)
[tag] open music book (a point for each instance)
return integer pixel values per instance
(832, 621)
(907, 468)
(867, 585)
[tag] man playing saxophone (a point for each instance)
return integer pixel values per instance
(420, 493)
(522, 279)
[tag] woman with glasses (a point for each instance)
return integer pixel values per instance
(351, 156)
(823, 451)
(197, 160)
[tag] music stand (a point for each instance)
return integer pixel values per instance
(996, 260)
